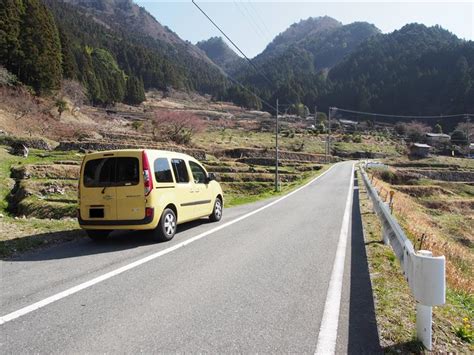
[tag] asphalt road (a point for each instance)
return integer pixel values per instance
(257, 285)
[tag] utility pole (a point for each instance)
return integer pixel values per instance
(277, 182)
(328, 139)
(315, 116)
(468, 123)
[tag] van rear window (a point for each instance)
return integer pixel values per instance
(122, 171)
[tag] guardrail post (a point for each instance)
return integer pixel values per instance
(385, 238)
(423, 324)
(424, 316)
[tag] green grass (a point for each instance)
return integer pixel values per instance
(31, 233)
(233, 198)
(349, 147)
(18, 235)
(234, 138)
(434, 162)
(36, 156)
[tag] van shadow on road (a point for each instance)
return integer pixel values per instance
(363, 333)
(82, 245)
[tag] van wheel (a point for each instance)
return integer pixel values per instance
(167, 227)
(98, 235)
(216, 214)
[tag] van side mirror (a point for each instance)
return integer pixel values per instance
(210, 177)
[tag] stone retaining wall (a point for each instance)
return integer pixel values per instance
(102, 146)
(445, 175)
(264, 156)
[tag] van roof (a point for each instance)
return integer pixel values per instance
(164, 153)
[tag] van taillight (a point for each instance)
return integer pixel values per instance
(79, 181)
(147, 179)
(149, 212)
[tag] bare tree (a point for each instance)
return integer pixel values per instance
(74, 91)
(176, 126)
(416, 131)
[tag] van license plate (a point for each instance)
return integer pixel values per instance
(96, 213)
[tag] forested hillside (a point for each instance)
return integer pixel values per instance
(220, 53)
(416, 70)
(114, 63)
(294, 66)
(117, 50)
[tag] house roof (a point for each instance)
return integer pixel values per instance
(349, 122)
(421, 145)
(438, 135)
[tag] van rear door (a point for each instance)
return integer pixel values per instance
(112, 188)
(130, 191)
(98, 193)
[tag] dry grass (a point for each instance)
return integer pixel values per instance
(395, 306)
(417, 222)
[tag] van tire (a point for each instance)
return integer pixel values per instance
(166, 229)
(98, 235)
(216, 214)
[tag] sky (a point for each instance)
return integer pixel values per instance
(253, 24)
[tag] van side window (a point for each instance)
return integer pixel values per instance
(180, 170)
(163, 170)
(199, 174)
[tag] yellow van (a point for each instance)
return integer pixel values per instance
(145, 190)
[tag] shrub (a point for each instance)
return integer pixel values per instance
(390, 177)
(176, 126)
(61, 106)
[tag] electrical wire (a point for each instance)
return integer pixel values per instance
(249, 19)
(250, 91)
(232, 42)
(260, 18)
(401, 116)
(255, 21)
(240, 51)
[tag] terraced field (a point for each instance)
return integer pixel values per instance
(38, 194)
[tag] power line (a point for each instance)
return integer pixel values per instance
(232, 42)
(255, 20)
(260, 18)
(402, 116)
(250, 91)
(240, 51)
(250, 19)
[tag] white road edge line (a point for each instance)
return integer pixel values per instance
(37, 305)
(328, 331)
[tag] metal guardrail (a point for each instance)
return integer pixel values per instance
(425, 274)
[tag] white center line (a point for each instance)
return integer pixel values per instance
(328, 331)
(37, 305)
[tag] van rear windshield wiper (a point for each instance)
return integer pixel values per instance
(105, 187)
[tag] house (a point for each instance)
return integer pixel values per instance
(348, 123)
(420, 150)
(437, 138)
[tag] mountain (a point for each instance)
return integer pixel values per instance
(221, 54)
(113, 47)
(294, 65)
(297, 32)
(324, 38)
(415, 70)
(125, 14)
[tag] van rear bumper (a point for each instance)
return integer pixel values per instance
(117, 223)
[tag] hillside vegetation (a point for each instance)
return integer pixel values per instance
(117, 51)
